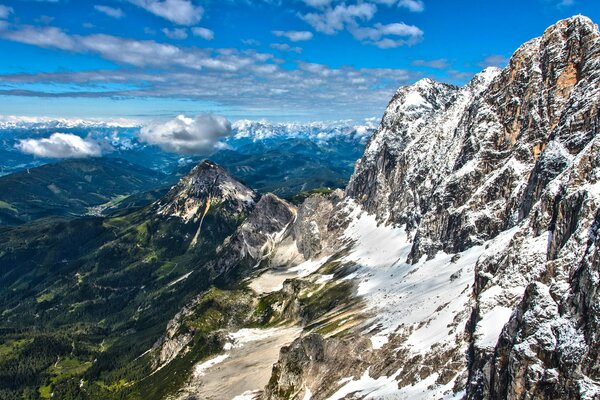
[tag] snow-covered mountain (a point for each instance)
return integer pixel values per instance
(462, 260)
(24, 122)
(315, 131)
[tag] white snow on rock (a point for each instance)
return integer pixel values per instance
(367, 387)
(200, 369)
(400, 294)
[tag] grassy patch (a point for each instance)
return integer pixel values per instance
(115, 386)
(8, 348)
(49, 296)
(67, 368)
(45, 391)
(332, 295)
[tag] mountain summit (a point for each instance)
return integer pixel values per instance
(206, 185)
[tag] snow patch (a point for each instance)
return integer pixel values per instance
(200, 369)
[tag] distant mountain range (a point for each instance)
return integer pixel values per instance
(314, 155)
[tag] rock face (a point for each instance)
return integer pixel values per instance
(256, 239)
(455, 164)
(206, 186)
(315, 228)
(504, 173)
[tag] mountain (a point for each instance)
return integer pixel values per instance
(107, 286)
(461, 262)
(71, 188)
(474, 219)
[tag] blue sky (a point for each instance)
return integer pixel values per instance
(280, 60)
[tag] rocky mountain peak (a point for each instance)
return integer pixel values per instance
(206, 185)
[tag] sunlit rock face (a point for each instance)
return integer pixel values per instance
(207, 185)
(484, 217)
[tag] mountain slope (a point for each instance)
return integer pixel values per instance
(468, 236)
(71, 188)
(108, 286)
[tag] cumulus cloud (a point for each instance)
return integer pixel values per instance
(333, 20)
(204, 33)
(251, 42)
(110, 11)
(60, 145)
(183, 135)
(177, 33)
(294, 36)
(139, 53)
(308, 90)
(330, 20)
(182, 12)
(317, 3)
(5, 11)
(412, 5)
(377, 34)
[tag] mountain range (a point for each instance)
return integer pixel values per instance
(460, 262)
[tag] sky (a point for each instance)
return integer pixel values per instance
(281, 60)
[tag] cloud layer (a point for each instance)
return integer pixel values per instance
(182, 12)
(60, 145)
(171, 63)
(183, 135)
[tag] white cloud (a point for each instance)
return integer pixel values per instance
(60, 145)
(176, 33)
(140, 53)
(182, 12)
(204, 33)
(183, 135)
(378, 34)
(286, 47)
(5, 11)
(251, 42)
(565, 3)
(110, 11)
(335, 19)
(412, 5)
(379, 30)
(256, 78)
(50, 37)
(309, 90)
(294, 36)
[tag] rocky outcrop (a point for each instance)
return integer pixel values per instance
(206, 186)
(462, 261)
(505, 170)
(456, 165)
(254, 242)
(315, 227)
